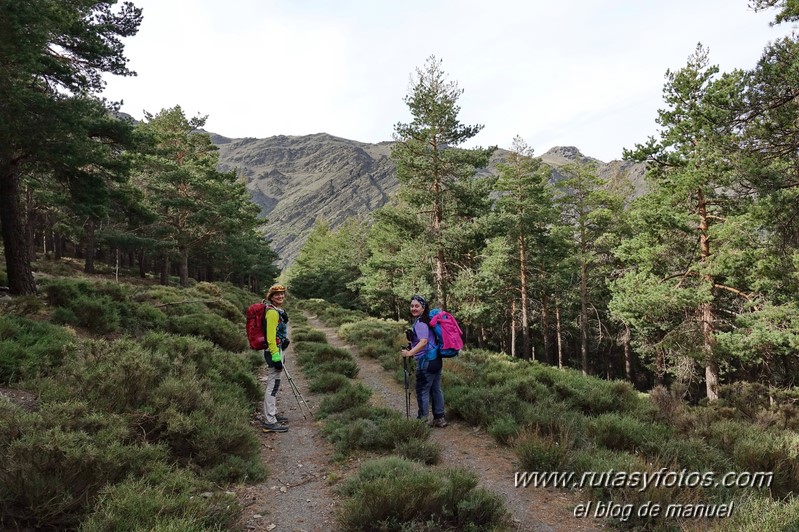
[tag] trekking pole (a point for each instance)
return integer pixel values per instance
(409, 337)
(295, 390)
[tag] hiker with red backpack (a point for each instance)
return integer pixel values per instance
(276, 342)
(429, 365)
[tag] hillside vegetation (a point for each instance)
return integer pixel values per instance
(730, 465)
(140, 402)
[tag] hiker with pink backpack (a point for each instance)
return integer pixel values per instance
(432, 339)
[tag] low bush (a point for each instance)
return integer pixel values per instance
(218, 330)
(30, 348)
(305, 334)
(51, 476)
(396, 494)
(164, 499)
(348, 368)
(419, 450)
(757, 512)
(374, 331)
(539, 453)
(327, 382)
(504, 429)
(623, 433)
(99, 314)
(345, 398)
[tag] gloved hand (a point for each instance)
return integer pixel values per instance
(276, 357)
(278, 366)
(284, 344)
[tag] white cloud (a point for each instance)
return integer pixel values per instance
(575, 72)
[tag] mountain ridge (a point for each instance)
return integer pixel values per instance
(296, 180)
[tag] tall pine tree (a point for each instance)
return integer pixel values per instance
(53, 55)
(436, 176)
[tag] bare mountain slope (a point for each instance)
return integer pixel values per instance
(299, 179)
(296, 180)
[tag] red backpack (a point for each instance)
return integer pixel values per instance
(256, 325)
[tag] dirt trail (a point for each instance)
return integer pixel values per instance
(298, 497)
(477, 451)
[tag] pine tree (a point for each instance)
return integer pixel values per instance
(678, 252)
(590, 212)
(525, 212)
(436, 176)
(53, 55)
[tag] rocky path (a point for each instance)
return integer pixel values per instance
(298, 497)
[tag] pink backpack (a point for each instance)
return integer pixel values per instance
(448, 333)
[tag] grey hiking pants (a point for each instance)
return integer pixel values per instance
(270, 396)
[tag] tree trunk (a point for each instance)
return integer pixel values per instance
(513, 329)
(30, 225)
(628, 354)
(584, 315)
(58, 242)
(660, 366)
(545, 324)
(184, 266)
(18, 261)
(439, 266)
(142, 268)
(559, 335)
(706, 309)
(526, 354)
(165, 269)
(89, 245)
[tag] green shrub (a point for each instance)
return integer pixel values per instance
(758, 513)
(304, 334)
(165, 499)
(29, 348)
(374, 331)
(327, 382)
(64, 316)
(99, 314)
(367, 428)
(52, 477)
(378, 350)
(211, 327)
(117, 292)
(311, 353)
(348, 368)
(62, 292)
(227, 310)
(623, 433)
(770, 451)
(693, 454)
(480, 406)
(22, 306)
(391, 362)
(345, 398)
(538, 453)
(419, 450)
(504, 429)
(481, 509)
(599, 460)
(141, 317)
(395, 494)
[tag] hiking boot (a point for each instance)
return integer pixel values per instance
(281, 419)
(440, 423)
(274, 427)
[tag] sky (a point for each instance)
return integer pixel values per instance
(584, 73)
